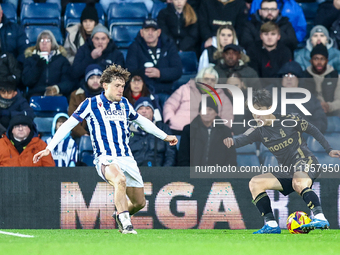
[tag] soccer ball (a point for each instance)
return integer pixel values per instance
(296, 220)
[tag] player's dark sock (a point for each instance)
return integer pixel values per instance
(262, 203)
(312, 200)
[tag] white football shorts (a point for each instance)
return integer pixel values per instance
(127, 165)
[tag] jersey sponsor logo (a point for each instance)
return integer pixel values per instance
(280, 146)
(114, 115)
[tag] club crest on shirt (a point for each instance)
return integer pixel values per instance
(122, 106)
(100, 104)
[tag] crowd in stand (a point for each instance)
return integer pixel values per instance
(258, 44)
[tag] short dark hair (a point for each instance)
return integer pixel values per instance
(8, 86)
(262, 98)
(61, 119)
(267, 1)
(114, 72)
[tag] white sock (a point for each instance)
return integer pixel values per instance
(320, 216)
(124, 218)
(272, 223)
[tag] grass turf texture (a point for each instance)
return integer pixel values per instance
(149, 242)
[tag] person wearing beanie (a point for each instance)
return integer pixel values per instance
(318, 34)
(79, 33)
(147, 149)
(90, 87)
(99, 49)
(202, 141)
(292, 76)
(323, 80)
(20, 144)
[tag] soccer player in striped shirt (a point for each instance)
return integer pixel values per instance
(107, 116)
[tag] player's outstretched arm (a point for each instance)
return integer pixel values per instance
(172, 139)
(228, 142)
(40, 154)
(334, 153)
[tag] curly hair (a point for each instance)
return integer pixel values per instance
(114, 72)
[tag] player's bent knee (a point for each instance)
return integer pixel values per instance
(140, 204)
(254, 184)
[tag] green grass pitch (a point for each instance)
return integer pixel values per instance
(149, 242)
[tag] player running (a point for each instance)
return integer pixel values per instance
(290, 149)
(108, 116)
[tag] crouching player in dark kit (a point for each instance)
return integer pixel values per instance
(290, 149)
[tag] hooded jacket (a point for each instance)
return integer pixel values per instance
(251, 31)
(13, 39)
(326, 86)
(9, 155)
(111, 55)
(179, 109)
(302, 56)
(169, 63)
(69, 45)
(199, 147)
(38, 74)
(144, 146)
(290, 9)
(173, 25)
(9, 68)
(65, 153)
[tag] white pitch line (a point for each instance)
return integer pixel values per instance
(14, 234)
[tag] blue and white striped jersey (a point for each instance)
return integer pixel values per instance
(65, 153)
(108, 124)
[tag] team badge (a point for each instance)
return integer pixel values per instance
(122, 106)
(100, 104)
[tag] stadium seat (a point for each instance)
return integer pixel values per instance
(40, 14)
(309, 9)
(10, 12)
(86, 151)
(270, 160)
(73, 13)
(26, 2)
(333, 139)
(44, 125)
(157, 6)
(32, 33)
(333, 124)
(132, 14)
(189, 62)
(246, 155)
(48, 106)
(124, 35)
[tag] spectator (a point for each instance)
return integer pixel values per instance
(136, 88)
(327, 13)
(269, 12)
(182, 106)
(225, 35)
(12, 103)
(269, 55)
(214, 13)
(46, 68)
(335, 28)
(147, 149)
(155, 55)
(65, 153)
(236, 80)
(291, 10)
(318, 34)
(202, 143)
(292, 77)
(79, 33)
(12, 38)
(326, 82)
(10, 69)
(90, 87)
(179, 22)
(100, 49)
(231, 60)
(20, 144)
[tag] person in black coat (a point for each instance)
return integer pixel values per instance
(155, 55)
(251, 30)
(46, 68)
(100, 50)
(214, 13)
(12, 38)
(179, 22)
(146, 148)
(10, 69)
(292, 77)
(268, 55)
(202, 142)
(12, 103)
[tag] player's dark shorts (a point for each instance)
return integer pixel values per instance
(300, 165)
